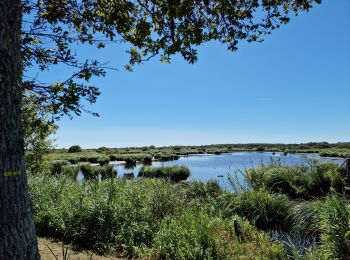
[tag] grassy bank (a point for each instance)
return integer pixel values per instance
(158, 219)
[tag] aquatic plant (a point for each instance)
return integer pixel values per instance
(174, 173)
(306, 181)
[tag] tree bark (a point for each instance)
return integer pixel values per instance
(17, 231)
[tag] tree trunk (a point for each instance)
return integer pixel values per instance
(17, 231)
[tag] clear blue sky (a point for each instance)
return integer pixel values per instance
(294, 87)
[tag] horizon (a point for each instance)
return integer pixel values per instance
(205, 145)
(292, 88)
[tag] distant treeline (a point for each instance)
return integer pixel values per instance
(147, 153)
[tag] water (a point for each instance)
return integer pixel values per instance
(218, 167)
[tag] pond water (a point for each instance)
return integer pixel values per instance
(218, 167)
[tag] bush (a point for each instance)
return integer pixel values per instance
(74, 149)
(166, 157)
(267, 211)
(103, 160)
(335, 228)
(73, 159)
(103, 215)
(112, 157)
(306, 182)
(106, 171)
(92, 159)
(57, 166)
(89, 171)
(199, 236)
(174, 173)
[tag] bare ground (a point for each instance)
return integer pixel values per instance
(50, 249)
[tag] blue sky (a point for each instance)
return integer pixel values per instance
(294, 87)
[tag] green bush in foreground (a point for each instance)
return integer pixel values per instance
(326, 220)
(267, 211)
(142, 218)
(196, 235)
(158, 219)
(174, 173)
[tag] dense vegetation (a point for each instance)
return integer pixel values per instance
(65, 168)
(174, 173)
(160, 219)
(298, 182)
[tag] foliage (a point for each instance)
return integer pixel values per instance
(144, 217)
(335, 228)
(304, 181)
(195, 235)
(327, 221)
(267, 211)
(37, 130)
(166, 156)
(51, 30)
(157, 219)
(62, 167)
(74, 149)
(174, 173)
(57, 166)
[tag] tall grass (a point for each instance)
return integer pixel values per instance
(196, 235)
(327, 221)
(307, 181)
(174, 173)
(267, 211)
(143, 218)
(62, 167)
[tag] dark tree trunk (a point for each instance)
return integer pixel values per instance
(17, 231)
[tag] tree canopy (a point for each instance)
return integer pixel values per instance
(152, 28)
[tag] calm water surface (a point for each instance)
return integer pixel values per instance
(218, 167)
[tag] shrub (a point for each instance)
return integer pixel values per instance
(326, 220)
(57, 166)
(74, 149)
(106, 171)
(199, 236)
(89, 171)
(306, 182)
(103, 160)
(92, 159)
(305, 219)
(174, 173)
(265, 210)
(335, 228)
(73, 159)
(166, 157)
(112, 157)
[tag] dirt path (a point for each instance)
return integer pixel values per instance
(46, 246)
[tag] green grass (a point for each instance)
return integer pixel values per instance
(265, 210)
(174, 173)
(145, 218)
(196, 235)
(299, 182)
(153, 218)
(65, 168)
